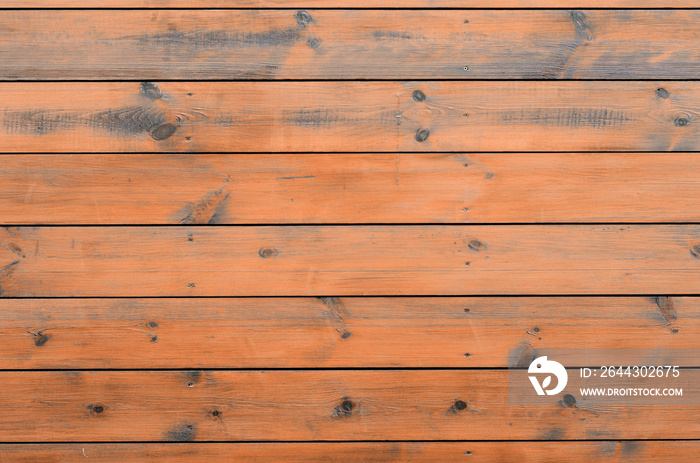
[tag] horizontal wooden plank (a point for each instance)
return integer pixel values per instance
(425, 452)
(350, 44)
(195, 405)
(321, 188)
(341, 332)
(349, 260)
(349, 3)
(349, 116)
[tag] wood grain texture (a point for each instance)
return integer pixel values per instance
(420, 452)
(350, 44)
(349, 260)
(156, 189)
(341, 332)
(349, 116)
(392, 4)
(125, 406)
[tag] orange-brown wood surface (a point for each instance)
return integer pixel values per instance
(349, 260)
(343, 188)
(332, 405)
(390, 4)
(350, 44)
(341, 332)
(375, 452)
(340, 230)
(349, 116)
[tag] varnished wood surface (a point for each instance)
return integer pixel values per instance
(349, 116)
(346, 332)
(528, 452)
(349, 260)
(350, 44)
(343, 188)
(198, 405)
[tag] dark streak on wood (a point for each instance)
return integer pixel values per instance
(666, 308)
(182, 433)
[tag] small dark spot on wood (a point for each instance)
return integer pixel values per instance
(164, 131)
(182, 433)
(662, 92)
(189, 94)
(154, 339)
(345, 408)
(457, 406)
(681, 122)
(569, 400)
(467, 354)
(151, 90)
(489, 175)
(536, 329)
(418, 95)
(153, 324)
(314, 42)
(467, 264)
(191, 285)
(267, 252)
(303, 18)
(422, 135)
(467, 452)
(215, 414)
(190, 237)
(41, 340)
(467, 310)
(465, 209)
(96, 409)
(674, 330)
(476, 245)
(346, 334)
(695, 251)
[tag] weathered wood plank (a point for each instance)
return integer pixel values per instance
(347, 452)
(340, 332)
(320, 188)
(350, 44)
(349, 116)
(350, 3)
(123, 406)
(349, 260)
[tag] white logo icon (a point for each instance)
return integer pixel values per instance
(549, 367)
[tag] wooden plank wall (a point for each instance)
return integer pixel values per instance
(313, 231)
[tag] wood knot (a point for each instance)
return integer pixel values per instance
(476, 245)
(418, 95)
(96, 409)
(303, 18)
(662, 93)
(345, 408)
(314, 42)
(153, 324)
(569, 400)
(681, 122)
(151, 90)
(457, 407)
(422, 135)
(267, 252)
(164, 131)
(695, 251)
